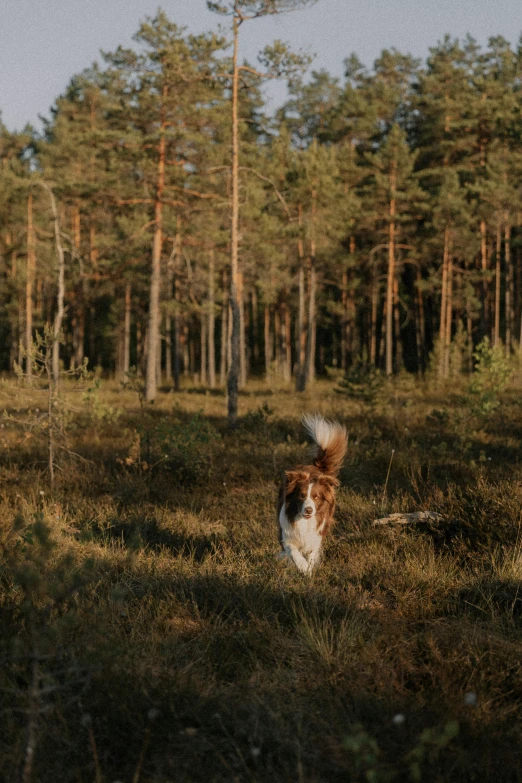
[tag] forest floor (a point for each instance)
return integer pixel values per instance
(148, 633)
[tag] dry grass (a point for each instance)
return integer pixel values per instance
(169, 645)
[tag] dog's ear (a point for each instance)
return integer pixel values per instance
(329, 481)
(292, 478)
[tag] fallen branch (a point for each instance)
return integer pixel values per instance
(405, 519)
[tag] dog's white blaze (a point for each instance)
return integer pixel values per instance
(308, 502)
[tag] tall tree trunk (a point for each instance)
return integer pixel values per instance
(242, 341)
(421, 324)
(509, 300)
(311, 333)
(255, 329)
(300, 331)
(203, 349)
(397, 321)
(344, 321)
(127, 332)
(268, 344)
(151, 381)
(374, 310)
(288, 345)
(496, 331)
(390, 281)
(449, 311)
(177, 339)
(484, 313)
(60, 308)
(277, 339)
(443, 305)
(211, 321)
(29, 281)
(223, 367)
(233, 375)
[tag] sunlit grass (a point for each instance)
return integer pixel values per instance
(146, 589)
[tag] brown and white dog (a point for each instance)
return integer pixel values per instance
(306, 502)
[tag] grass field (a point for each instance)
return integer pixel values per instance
(148, 633)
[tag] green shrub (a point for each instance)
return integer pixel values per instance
(493, 372)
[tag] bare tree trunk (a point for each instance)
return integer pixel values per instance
(277, 339)
(311, 334)
(443, 305)
(224, 333)
(268, 344)
(374, 309)
(300, 331)
(390, 282)
(242, 341)
(288, 344)
(397, 320)
(154, 347)
(344, 320)
(496, 332)
(60, 309)
(233, 375)
(485, 311)
(177, 347)
(509, 296)
(203, 349)
(421, 324)
(449, 312)
(255, 328)
(29, 281)
(211, 321)
(127, 331)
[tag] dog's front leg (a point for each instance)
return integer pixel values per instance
(295, 555)
(313, 559)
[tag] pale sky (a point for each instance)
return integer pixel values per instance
(43, 43)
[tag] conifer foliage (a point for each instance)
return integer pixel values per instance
(371, 223)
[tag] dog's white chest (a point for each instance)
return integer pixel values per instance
(302, 533)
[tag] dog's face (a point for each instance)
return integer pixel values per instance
(309, 495)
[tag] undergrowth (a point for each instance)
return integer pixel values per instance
(147, 632)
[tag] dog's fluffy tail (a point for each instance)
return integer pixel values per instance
(331, 441)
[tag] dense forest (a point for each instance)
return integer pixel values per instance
(377, 218)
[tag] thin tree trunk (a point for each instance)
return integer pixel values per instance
(277, 339)
(443, 305)
(268, 345)
(233, 376)
(421, 321)
(509, 296)
(60, 309)
(242, 341)
(127, 332)
(374, 309)
(255, 329)
(397, 321)
(301, 332)
(288, 344)
(203, 350)
(485, 314)
(496, 332)
(344, 320)
(449, 312)
(29, 281)
(151, 380)
(177, 347)
(311, 334)
(211, 321)
(223, 369)
(390, 278)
